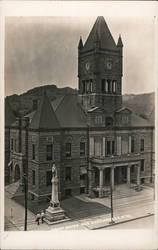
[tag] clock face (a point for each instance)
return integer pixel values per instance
(87, 66)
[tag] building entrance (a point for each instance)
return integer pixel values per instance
(120, 175)
(107, 176)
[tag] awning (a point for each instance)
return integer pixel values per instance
(10, 163)
(83, 170)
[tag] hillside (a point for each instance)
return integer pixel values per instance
(142, 104)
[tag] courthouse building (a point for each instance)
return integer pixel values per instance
(93, 139)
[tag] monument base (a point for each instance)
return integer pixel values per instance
(54, 214)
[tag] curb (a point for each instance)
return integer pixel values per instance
(121, 222)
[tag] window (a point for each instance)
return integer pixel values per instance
(33, 151)
(68, 149)
(109, 121)
(114, 86)
(142, 165)
(83, 86)
(132, 145)
(15, 145)
(113, 147)
(98, 146)
(33, 177)
(49, 153)
(125, 119)
(48, 178)
(109, 86)
(119, 145)
(98, 119)
(68, 174)
(142, 145)
(91, 85)
(82, 148)
(103, 85)
(110, 147)
(132, 169)
(12, 144)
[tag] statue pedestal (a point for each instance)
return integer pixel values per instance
(54, 213)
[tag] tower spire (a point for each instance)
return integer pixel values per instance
(120, 43)
(80, 44)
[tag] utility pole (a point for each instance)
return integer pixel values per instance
(111, 199)
(25, 192)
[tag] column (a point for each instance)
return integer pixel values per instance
(129, 175)
(138, 176)
(100, 182)
(112, 177)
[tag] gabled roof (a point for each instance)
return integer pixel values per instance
(137, 121)
(69, 112)
(95, 109)
(123, 109)
(30, 115)
(100, 33)
(44, 117)
(9, 114)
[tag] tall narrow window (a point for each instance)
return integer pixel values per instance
(68, 149)
(91, 85)
(87, 86)
(48, 178)
(12, 144)
(132, 145)
(142, 165)
(33, 177)
(33, 151)
(113, 147)
(83, 86)
(108, 147)
(49, 152)
(103, 85)
(142, 145)
(91, 142)
(106, 86)
(68, 174)
(82, 148)
(109, 86)
(114, 86)
(119, 145)
(97, 146)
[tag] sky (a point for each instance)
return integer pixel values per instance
(43, 50)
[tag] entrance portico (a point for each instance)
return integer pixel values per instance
(114, 174)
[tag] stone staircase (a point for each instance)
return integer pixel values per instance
(13, 189)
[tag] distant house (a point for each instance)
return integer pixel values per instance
(93, 139)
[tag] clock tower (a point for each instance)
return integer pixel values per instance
(100, 69)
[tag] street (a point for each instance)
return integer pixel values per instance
(90, 214)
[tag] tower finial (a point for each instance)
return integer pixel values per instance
(119, 43)
(80, 45)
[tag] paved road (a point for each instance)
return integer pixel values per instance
(144, 223)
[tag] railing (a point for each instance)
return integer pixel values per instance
(115, 158)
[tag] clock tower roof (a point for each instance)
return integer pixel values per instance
(100, 33)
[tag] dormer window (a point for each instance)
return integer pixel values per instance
(125, 119)
(109, 121)
(98, 119)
